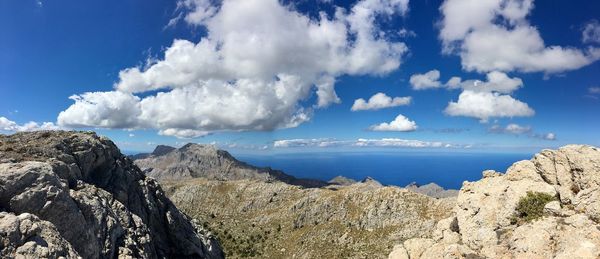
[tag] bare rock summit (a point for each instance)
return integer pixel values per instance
(73, 194)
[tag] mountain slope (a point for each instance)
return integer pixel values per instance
(206, 161)
(74, 194)
(278, 220)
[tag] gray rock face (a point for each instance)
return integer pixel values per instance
(484, 225)
(26, 236)
(90, 200)
(432, 189)
(206, 161)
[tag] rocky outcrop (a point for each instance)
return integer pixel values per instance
(432, 189)
(206, 161)
(74, 194)
(26, 236)
(484, 223)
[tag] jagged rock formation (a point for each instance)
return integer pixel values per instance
(74, 194)
(158, 151)
(206, 161)
(484, 223)
(432, 189)
(278, 220)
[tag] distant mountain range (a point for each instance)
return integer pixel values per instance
(206, 161)
(168, 163)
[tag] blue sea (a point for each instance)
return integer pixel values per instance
(448, 170)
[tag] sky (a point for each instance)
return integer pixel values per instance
(312, 75)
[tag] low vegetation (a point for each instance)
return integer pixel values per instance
(531, 206)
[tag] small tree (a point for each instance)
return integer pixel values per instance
(531, 206)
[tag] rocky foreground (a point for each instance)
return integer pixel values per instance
(485, 222)
(73, 194)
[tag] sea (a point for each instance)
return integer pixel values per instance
(448, 170)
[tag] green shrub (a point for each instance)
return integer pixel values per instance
(531, 206)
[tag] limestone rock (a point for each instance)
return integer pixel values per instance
(26, 236)
(94, 198)
(485, 209)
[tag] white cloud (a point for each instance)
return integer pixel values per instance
(379, 101)
(483, 105)
(183, 133)
(8, 125)
(512, 128)
(250, 72)
(102, 109)
(383, 142)
(496, 82)
(319, 142)
(426, 81)
(591, 32)
(594, 90)
(395, 142)
(400, 123)
(199, 11)
(549, 136)
(494, 35)
(516, 129)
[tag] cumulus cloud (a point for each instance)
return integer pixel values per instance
(426, 81)
(484, 105)
(485, 99)
(379, 101)
(383, 142)
(496, 82)
(591, 32)
(494, 35)
(11, 126)
(400, 123)
(250, 72)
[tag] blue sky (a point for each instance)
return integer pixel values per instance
(51, 50)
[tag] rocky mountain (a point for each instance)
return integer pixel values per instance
(206, 161)
(158, 151)
(546, 207)
(432, 189)
(73, 194)
(277, 220)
